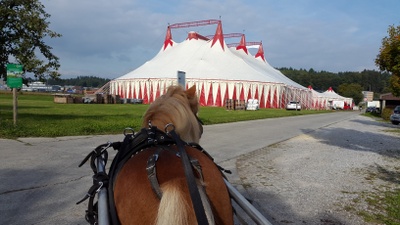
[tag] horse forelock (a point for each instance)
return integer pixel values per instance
(179, 93)
(175, 107)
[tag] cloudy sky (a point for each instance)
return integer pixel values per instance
(110, 38)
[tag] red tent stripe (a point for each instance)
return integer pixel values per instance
(140, 92)
(226, 92)
(158, 90)
(241, 97)
(256, 96)
(210, 97)
(218, 99)
(128, 91)
(249, 94)
(226, 96)
(262, 100)
(145, 95)
(202, 99)
(151, 97)
(283, 100)
(275, 103)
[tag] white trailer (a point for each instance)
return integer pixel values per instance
(375, 104)
(337, 104)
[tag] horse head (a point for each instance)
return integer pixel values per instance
(179, 108)
(136, 192)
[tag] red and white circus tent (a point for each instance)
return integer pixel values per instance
(348, 103)
(218, 71)
(320, 101)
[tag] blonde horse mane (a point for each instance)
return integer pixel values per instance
(178, 107)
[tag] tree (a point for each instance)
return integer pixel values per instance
(388, 58)
(23, 27)
(351, 91)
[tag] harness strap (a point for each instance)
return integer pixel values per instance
(195, 145)
(130, 146)
(99, 180)
(152, 173)
(196, 165)
(193, 189)
(91, 215)
(112, 174)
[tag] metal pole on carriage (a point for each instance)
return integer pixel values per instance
(251, 211)
(102, 201)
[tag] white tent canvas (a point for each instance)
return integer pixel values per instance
(320, 100)
(336, 100)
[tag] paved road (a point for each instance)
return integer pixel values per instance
(227, 141)
(315, 178)
(40, 180)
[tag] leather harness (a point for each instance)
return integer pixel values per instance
(132, 144)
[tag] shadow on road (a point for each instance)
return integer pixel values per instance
(276, 203)
(279, 213)
(380, 123)
(42, 188)
(383, 143)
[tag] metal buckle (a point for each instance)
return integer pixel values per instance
(129, 129)
(101, 185)
(170, 125)
(106, 147)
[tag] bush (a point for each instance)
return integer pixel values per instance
(386, 113)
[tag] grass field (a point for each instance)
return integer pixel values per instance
(39, 116)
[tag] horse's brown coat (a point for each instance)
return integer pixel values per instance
(135, 200)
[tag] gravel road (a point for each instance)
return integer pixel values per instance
(323, 177)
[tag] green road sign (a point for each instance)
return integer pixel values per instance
(14, 75)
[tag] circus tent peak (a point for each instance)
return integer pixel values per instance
(219, 36)
(260, 52)
(168, 39)
(242, 44)
(330, 89)
(333, 95)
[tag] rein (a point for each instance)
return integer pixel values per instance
(193, 188)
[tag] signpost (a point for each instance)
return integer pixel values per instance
(14, 81)
(182, 79)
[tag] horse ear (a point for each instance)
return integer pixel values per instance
(191, 92)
